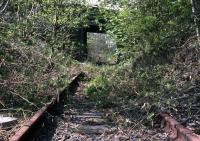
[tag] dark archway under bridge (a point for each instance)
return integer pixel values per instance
(80, 35)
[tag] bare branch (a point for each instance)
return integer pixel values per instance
(23, 98)
(4, 7)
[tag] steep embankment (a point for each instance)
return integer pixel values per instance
(185, 72)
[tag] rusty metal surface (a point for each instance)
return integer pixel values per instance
(29, 125)
(176, 131)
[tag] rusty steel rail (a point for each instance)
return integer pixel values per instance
(25, 133)
(176, 131)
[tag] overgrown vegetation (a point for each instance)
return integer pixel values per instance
(36, 51)
(157, 52)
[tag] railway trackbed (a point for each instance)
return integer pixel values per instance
(73, 117)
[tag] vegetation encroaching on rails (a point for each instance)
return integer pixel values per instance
(158, 61)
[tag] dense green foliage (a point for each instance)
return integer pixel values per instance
(151, 25)
(37, 49)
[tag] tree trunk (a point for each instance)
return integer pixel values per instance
(194, 11)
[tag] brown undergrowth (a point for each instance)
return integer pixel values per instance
(30, 75)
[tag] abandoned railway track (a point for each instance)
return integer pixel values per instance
(72, 116)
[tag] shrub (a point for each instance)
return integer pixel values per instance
(98, 89)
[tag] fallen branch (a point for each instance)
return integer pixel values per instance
(26, 100)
